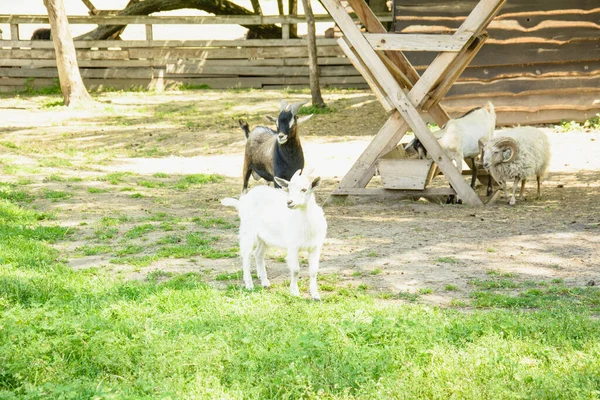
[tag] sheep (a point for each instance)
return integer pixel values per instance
(459, 138)
(517, 153)
(293, 221)
(271, 153)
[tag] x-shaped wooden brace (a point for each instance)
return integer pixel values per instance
(390, 73)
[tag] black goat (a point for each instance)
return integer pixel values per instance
(271, 153)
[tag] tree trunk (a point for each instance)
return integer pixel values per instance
(71, 84)
(217, 7)
(313, 65)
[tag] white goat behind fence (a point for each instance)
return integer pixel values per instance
(293, 221)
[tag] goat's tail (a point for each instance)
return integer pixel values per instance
(230, 202)
(245, 127)
(490, 108)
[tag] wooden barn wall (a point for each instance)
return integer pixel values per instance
(541, 62)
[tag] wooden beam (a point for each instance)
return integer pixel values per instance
(364, 71)
(167, 20)
(103, 44)
(393, 193)
(477, 20)
(401, 102)
(90, 6)
(416, 42)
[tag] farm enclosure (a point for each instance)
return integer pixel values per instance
(540, 64)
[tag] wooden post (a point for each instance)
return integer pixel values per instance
(14, 32)
(149, 34)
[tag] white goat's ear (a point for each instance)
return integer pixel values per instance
(271, 118)
(282, 182)
(304, 119)
(316, 182)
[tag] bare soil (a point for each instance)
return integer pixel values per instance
(388, 245)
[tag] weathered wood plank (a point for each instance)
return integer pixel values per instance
(117, 44)
(391, 193)
(168, 20)
(416, 42)
(541, 8)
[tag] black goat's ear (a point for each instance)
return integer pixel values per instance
(316, 182)
(282, 182)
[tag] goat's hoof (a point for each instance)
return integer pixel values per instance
(266, 283)
(318, 298)
(512, 202)
(459, 201)
(249, 286)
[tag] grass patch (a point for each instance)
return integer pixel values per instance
(91, 250)
(94, 190)
(213, 222)
(197, 179)
(448, 260)
(55, 195)
(116, 178)
(139, 231)
(160, 175)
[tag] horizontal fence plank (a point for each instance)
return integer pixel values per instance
(178, 20)
(492, 54)
(542, 8)
(525, 85)
(123, 44)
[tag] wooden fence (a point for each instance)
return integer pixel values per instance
(530, 78)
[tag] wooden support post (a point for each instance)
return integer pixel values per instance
(14, 32)
(149, 33)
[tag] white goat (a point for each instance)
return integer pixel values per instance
(459, 138)
(293, 221)
(517, 153)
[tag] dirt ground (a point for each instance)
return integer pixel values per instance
(392, 246)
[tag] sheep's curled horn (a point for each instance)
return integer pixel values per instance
(510, 143)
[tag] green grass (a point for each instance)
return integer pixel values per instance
(448, 260)
(90, 334)
(55, 195)
(197, 179)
